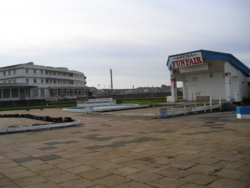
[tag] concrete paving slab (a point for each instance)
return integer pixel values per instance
(202, 150)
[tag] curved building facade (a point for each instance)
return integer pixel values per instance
(35, 82)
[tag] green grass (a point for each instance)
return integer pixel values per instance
(180, 97)
(37, 107)
(135, 100)
(144, 100)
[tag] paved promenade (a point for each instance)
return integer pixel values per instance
(204, 150)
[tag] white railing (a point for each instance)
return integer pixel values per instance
(184, 109)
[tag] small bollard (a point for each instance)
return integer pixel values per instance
(163, 112)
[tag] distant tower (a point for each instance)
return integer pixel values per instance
(111, 79)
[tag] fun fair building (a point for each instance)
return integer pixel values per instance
(35, 82)
(207, 74)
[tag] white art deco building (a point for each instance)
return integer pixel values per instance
(206, 74)
(35, 82)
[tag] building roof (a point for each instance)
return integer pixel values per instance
(219, 56)
(43, 67)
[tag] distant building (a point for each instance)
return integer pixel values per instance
(206, 73)
(35, 82)
(140, 90)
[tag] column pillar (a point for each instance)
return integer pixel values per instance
(184, 90)
(228, 81)
(39, 93)
(30, 93)
(18, 93)
(10, 93)
(173, 87)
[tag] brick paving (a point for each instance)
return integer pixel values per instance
(204, 150)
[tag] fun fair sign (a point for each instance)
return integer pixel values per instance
(186, 60)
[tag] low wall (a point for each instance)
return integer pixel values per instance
(243, 112)
(55, 123)
(37, 127)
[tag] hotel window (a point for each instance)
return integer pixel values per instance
(42, 92)
(27, 80)
(34, 71)
(6, 93)
(34, 80)
(27, 71)
(14, 93)
(35, 92)
(41, 71)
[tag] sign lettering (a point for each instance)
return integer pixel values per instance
(186, 60)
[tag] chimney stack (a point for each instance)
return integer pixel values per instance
(111, 79)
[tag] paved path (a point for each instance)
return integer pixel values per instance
(204, 150)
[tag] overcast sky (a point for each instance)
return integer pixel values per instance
(133, 37)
